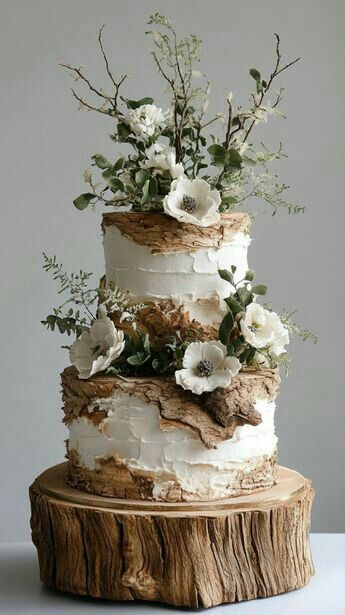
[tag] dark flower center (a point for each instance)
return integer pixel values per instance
(205, 368)
(189, 203)
(254, 327)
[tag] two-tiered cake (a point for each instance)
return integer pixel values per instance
(147, 437)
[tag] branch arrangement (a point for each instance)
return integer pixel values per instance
(176, 144)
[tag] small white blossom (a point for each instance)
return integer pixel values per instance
(229, 97)
(146, 121)
(193, 202)
(162, 158)
(262, 328)
(206, 367)
(262, 112)
(97, 347)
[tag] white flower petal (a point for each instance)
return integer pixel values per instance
(193, 354)
(96, 348)
(207, 200)
(214, 354)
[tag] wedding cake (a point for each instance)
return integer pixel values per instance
(174, 380)
(171, 490)
(148, 437)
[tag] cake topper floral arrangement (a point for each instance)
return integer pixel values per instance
(177, 167)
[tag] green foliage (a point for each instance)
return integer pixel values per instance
(74, 319)
(141, 359)
(84, 200)
(230, 333)
(238, 177)
(295, 329)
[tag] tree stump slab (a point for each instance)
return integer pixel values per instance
(184, 554)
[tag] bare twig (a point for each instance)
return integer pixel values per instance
(84, 103)
(78, 72)
(276, 71)
(106, 61)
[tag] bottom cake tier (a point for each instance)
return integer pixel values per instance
(147, 438)
(185, 554)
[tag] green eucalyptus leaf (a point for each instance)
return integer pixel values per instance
(245, 296)
(123, 131)
(234, 306)
(150, 189)
(259, 289)
(82, 201)
(108, 173)
(234, 157)
(135, 104)
(229, 200)
(230, 348)
(115, 184)
(225, 328)
(249, 275)
(218, 153)
(226, 275)
(135, 359)
(141, 177)
(100, 161)
(118, 165)
(255, 74)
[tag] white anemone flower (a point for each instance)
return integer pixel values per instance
(193, 202)
(206, 367)
(160, 157)
(97, 347)
(262, 328)
(146, 121)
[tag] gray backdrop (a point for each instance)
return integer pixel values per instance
(46, 144)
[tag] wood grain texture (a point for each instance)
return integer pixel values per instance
(162, 234)
(176, 406)
(258, 547)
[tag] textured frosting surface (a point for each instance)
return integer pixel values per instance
(132, 432)
(183, 276)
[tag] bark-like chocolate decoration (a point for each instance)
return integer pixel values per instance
(163, 234)
(113, 478)
(178, 408)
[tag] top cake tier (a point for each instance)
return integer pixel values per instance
(156, 258)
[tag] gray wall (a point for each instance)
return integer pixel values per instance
(46, 143)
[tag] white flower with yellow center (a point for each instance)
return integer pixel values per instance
(97, 347)
(206, 367)
(161, 157)
(193, 202)
(146, 121)
(262, 328)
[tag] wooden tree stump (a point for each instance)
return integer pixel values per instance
(184, 554)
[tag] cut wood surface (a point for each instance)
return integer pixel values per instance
(195, 555)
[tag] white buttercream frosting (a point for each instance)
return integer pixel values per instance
(183, 277)
(132, 431)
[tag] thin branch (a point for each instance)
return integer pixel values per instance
(105, 57)
(115, 83)
(276, 71)
(228, 130)
(84, 103)
(78, 72)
